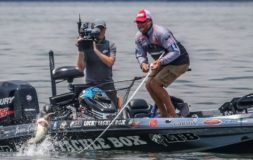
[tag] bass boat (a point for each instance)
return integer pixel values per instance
(84, 119)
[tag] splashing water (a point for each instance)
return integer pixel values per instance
(45, 148)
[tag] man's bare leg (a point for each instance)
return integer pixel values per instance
(158, 102)
(163, 95)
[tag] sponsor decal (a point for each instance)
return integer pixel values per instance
(5, 112)
(29, 109)
(6, 133)
(21, 129)
(5, 149)
(101, 143)
(54, 127)
(184, 123)
(98, 123)
(212, 121)
(143, 41)
(6, 101)
(8, 130)
(174, 47)
(134, 124)
(75, 124)
(166, 139)
(29, 98)
(153, 123)
(167, 121)
(230, 121)
(63, 125)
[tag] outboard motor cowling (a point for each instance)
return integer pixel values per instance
(18, 102)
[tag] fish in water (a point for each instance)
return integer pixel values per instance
(41, 130)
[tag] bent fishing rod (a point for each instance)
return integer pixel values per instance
(122, 109)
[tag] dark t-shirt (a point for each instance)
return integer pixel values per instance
(96, 70)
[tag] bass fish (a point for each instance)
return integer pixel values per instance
(41, 130)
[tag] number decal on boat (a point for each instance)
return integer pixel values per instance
(166, 139)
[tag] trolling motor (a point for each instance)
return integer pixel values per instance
(237, 105)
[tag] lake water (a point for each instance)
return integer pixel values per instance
(218, 36)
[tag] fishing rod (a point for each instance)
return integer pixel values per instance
(137, 89)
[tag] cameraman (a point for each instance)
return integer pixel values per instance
(98, 61)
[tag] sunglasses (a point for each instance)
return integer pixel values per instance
(138, 22)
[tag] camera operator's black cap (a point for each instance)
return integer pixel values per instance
(100, 23)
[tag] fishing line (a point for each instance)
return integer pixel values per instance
(137, 89)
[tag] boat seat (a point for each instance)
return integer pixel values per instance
(67, 73)
(138, 108)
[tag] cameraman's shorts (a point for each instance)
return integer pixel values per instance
(169, 73)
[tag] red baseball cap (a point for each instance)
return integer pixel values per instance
(143, 15)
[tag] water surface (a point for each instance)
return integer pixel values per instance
(218, 36)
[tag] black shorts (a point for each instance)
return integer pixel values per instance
(110, 92)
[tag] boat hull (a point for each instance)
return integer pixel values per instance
(139, 134)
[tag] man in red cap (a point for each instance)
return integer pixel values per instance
(170, 60)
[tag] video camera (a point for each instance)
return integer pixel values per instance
(88, 32)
